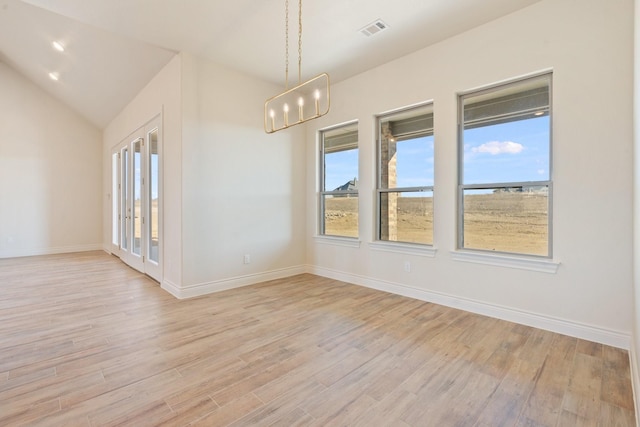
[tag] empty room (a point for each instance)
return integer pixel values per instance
(315, 213)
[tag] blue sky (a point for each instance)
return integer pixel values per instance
(340, 168)
(137, 177)
(414, 164)
(510, 152)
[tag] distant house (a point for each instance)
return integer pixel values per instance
(348, 186)
(543, 189)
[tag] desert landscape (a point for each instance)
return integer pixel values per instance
(501, 221)
(137, 228)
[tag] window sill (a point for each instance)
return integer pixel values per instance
(404, 248)
(510, 261)
(349, 242)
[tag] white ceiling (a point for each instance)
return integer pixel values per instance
(114, 47)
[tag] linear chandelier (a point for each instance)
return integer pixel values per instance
(303, 102)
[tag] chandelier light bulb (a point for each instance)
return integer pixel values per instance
(300, 109)
(286, 114)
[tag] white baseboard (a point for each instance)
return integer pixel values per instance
(51, 251)
(171, 287)
(578, 330)
(182, 292)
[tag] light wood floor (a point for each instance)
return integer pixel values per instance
(85, 340)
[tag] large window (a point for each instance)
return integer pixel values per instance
(339, 181)
(405, 176)
(505, 168)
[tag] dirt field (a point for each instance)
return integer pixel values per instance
(341, 216)
(154, 222)
(507, 222)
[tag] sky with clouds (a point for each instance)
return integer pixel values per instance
(509, 152)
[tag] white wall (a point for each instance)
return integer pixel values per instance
(243, 190)
(588, 44)
(228, 188)
(160, 96)
(50, 179)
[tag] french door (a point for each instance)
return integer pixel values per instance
(136, 208)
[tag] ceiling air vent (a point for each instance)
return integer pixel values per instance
(374, 28)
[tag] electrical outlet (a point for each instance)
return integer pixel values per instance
(246, 259)
(407, 266)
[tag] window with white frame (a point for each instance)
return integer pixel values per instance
(504, 191)
(339, 181)
(405, 176)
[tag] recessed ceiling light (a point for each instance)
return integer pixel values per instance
(54, 76)
(58, 46)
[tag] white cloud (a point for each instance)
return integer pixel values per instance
(499, 147)
(541, 171)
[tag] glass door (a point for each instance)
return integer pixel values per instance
(131, 218)
(125, 201)
(136, 208)
(136, 198)
(115, 201)
(152, 201)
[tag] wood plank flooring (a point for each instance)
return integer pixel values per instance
(87, 341)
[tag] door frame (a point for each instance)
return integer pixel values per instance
(152, 267)
(122, 209)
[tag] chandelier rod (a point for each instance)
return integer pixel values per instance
(299, 41)
(286, 43)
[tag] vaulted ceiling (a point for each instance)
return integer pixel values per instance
(114, 47)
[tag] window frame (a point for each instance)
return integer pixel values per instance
(380, 191)
(323, 192)
(548, 75)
